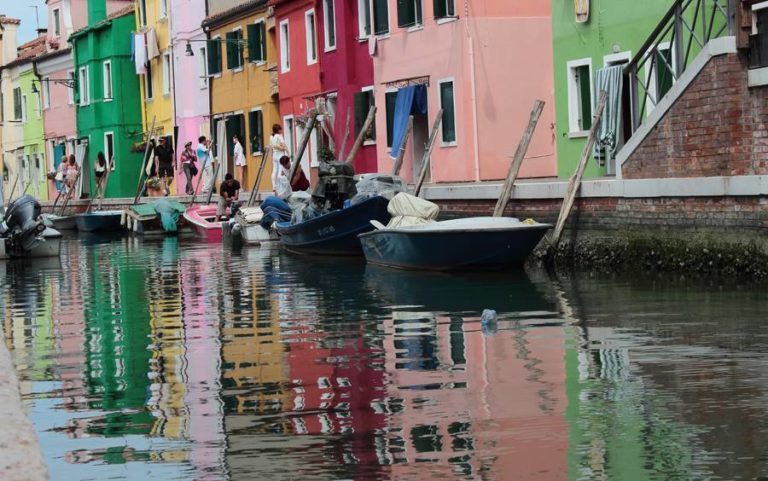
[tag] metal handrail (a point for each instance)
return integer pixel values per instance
(686, 22)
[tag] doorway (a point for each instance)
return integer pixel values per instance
(419, 144)
(625, 122)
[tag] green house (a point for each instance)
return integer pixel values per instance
(107, 97)
(610, 34)
(34, 160)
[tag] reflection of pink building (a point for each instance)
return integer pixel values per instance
(190, 86)
(476, 59)
(470, 403)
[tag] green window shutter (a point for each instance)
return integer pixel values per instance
(371, 102)
(390, 98)
(263, 41)
(330, 15)
(361, 110)
(585, 97)
(231, 53)
(256, 125)
(418, 16)
(405, 13)
(380, 17)
(440, 10)
(449, 115)
(664, 77)
(253, 42)
(214, 57)
(239, 48)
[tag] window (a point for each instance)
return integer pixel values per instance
(71, 92)
(38, 105)
(363, 103)
(2, 107)
(288, 132)
(309, 23)
(163, 8)
(56, 23)
(85, 86)
(381, 17)
(17, 103)
(579, 95)
(203, 67)
(23, 108)
(329, 22)
(285, 48)
(662, 70)
(256, 131)
(148, 82)
(389, 102)
(109, 148)
(409, 13)
(143, 11)
(364, 18)
(444, 8)
(257, 42)
(46, 84)
(166, 74)
(448, 104)
(107, 80)
(214, 56)
(234, 49)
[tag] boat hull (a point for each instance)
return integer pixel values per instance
(334, 233)
(102, 221)
(255, 234)
(197, 218)
(49, 247)
(65, 222)
(453, 250)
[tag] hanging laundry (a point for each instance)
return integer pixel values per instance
(153, 51)
(372, 44)
(140, 53)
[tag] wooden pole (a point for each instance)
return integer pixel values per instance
(517, 161)
(302, 147)
(361, 136)
(144, 162)
(69, 194)
(399, 160)
(110, 164)
(575, 183)
(213, 183)
(428, 152)
(327, 128)
(346, 135)
(13, 189)
(255, 191)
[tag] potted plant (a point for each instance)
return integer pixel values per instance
(154, 185)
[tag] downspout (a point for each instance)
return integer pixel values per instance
(473, 91)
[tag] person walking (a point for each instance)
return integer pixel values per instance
(72, 173)
(61, 174)
(238, 155)
(229, 192)
(279, 150)
(164, 164)
(188, 166)
(205, 158)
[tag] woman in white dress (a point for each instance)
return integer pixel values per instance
(239, 157)
(279, 149)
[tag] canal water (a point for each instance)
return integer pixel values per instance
(171, 360)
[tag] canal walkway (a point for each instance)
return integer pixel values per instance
(20, 455)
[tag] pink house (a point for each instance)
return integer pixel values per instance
(56, 70)
(474, 60)
(190, 84)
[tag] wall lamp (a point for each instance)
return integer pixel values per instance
(67, 82)
(188, 50)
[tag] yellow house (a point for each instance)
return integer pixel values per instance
(153, 20)
(242, 68)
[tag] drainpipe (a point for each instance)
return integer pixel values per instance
(473, 90)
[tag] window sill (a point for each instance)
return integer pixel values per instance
(363, 39)
(447, 145)
(163, 18)
(257, 154)
(108, 100)
(258, 63)
(444, 20)
(366, 143)
(167, 96)
(330, 49)
(382, 36)
(415, 28)
(149, 101)
(578, 134)
(311, 62)
(236, 69)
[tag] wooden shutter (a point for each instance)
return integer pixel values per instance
(231, 50)
(440, 10)
(256, 126)
(254, 49)
(361, 111)
(405, 13)
(214, 56)
(17, 103)
(390, 98)
(585, 96)
(449, 114)
(380, 17)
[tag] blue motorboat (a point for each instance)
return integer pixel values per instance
(334, 233)
(476, 243)
(100, 221)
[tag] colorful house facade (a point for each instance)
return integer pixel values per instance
(611, 35)
(240, 58)
(469, 61)
(108, 107)
(346, 70)
(8, 27)
(190, 85)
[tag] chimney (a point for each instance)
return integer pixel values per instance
(41, 32)
(97, 11)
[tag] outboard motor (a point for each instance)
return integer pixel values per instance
(336, 185)
(23, 224)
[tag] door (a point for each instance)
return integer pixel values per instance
(419, 145)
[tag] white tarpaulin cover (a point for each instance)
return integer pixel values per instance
(249, 215)
(407, 209)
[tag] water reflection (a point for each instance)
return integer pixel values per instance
(161, 360)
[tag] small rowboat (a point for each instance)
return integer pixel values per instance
(200, 219)
(334, 233)
(100, 221)
(61, 222)
(476, 243)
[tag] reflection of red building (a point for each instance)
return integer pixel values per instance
(469, 403)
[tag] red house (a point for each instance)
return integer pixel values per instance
(324, 63)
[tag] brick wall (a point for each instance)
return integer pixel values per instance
(718, 127)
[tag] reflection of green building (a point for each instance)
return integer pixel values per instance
(108, 104)
(117, 334)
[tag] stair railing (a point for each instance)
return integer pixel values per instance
(682, 33)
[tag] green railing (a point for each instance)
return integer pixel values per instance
(681, 35)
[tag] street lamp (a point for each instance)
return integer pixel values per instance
(68, 82)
